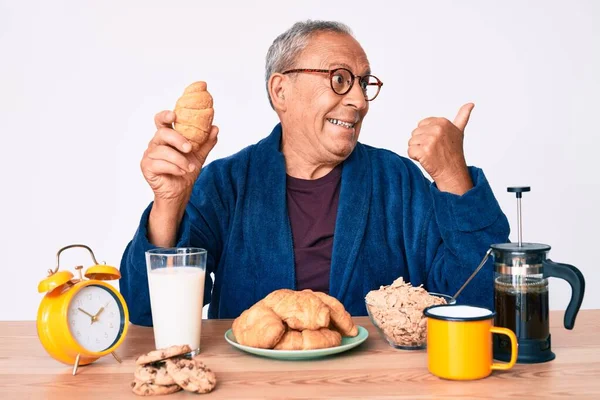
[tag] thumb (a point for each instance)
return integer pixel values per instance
(463, 116)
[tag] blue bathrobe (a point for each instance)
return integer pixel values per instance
(392, 222)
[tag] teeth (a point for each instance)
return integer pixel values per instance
(340, 123)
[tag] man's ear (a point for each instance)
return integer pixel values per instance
(277, 88)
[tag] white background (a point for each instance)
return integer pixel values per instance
(80, 83)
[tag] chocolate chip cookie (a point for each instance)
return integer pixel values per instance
(191, 374)
(162, 354)
(149, 389)
(157, 375)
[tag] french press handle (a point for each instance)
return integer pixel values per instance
(575, 278)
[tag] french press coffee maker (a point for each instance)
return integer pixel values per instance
(521, 295)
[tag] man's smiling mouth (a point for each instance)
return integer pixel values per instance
(339, 122)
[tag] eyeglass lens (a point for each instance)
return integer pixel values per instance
(341, 81)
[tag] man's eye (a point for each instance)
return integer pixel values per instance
(338, 79)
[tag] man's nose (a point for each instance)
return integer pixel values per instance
(356, 97)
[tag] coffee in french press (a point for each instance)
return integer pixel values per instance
(521, 295)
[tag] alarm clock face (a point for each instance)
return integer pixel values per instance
(96, 318)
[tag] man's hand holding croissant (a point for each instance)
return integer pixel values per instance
(174, 158)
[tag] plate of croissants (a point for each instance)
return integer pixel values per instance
(295, 325)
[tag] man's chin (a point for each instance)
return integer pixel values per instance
(343, 150)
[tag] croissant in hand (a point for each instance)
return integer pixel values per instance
(194, 113)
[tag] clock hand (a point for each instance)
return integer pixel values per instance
(95, 317)
(86, 313)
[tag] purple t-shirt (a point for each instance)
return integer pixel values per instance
(312, 208)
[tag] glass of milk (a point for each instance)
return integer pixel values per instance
(176, 282)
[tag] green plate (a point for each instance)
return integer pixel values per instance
(347, 344)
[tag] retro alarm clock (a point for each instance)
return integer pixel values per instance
(81, 319)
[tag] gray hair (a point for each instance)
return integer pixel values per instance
(286, 48)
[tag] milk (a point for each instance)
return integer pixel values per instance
(176, 298)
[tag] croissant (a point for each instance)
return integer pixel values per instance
(299, 310)
(194, 113)
(320, 339)
(309, 339)
(259, 327)
(340, 318)
(294, 320)
(291, 340)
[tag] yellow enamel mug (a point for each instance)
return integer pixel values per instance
(459, 342)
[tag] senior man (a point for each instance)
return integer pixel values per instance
(309, 206)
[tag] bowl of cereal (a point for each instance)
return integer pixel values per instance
(396, 311)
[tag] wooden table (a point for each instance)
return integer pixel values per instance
(373, 370)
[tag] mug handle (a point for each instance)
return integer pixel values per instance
(513, 348)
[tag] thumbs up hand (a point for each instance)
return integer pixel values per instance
(437, 144)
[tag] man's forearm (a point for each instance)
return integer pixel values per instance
(164, 220)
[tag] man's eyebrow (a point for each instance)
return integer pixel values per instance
(344, 65)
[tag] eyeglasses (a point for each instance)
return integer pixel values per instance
(343, 79)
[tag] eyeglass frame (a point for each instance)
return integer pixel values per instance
(379, 83)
